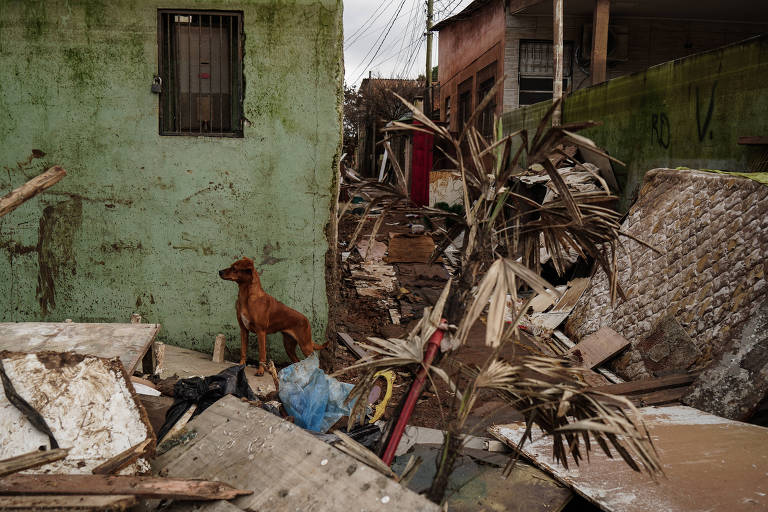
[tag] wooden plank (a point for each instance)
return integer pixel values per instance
(598, 347)
(30, 189)
(646, 385)
(566, 342)
(145, 486)
(122, 459)
(129, 342)
(156, 407)
(31, 460)
(572, 293)
(70, 502)
(287, 467)
(710, 463)
(600, 19)
(219, 346)
(346, 340)
(408, 248)
(753, 140)
(661, 397)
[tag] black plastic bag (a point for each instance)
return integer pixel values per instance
(204, 393)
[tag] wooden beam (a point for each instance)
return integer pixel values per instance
(600, 18)
(71, 502)
(30, 189)
(145, 486)
(646, 385)
(31, 460)
(557, 50)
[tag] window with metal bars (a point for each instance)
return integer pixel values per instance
(537, 70)
(200, 59)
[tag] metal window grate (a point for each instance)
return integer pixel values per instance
(537, 70)
(200, 58)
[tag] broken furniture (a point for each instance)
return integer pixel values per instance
(286, 467)
(129, 342)
(86, 401)
(710, 463)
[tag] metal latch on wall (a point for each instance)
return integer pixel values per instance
(157, 85)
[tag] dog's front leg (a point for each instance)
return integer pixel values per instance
(243, 344)
(262, 352)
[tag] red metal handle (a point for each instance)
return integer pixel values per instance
(413, 395)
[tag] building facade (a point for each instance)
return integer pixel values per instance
(193, 133)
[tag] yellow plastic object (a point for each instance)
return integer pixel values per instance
(378, 410)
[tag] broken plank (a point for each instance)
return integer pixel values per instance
(566, 342)
(598, 347)
(408, 248)
(31, 460)
(129, 342)
(710, 463)
(647, 385)
(68, 502)
(235, 441)
(346, 340)
(661, 397)
(30, 189)
(144, 486)
(122, 459)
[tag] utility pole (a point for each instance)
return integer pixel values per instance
(428, 92)
(557, 47)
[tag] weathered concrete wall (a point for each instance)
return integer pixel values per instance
(142, 222)
(689, 112)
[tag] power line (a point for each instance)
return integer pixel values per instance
(402, 3)
(349, 40)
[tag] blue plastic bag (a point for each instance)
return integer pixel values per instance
(315, 400)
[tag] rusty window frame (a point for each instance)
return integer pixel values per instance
(225, 115)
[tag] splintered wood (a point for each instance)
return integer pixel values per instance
(146, 486)
(710, 463)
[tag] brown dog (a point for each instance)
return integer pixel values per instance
(262, 314)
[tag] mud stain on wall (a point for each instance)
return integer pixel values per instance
(55, 256)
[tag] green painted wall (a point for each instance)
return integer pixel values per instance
(689, 112)
(142, 223)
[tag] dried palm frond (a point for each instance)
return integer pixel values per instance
(505, 230)
(554, 396)
(392, 353)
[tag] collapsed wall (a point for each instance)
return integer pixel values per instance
(689, 302)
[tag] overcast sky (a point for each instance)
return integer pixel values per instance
(386, 37)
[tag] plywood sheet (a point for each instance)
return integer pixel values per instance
(598, 347)
(129, 342)
(710, 463)
(88, 403)
(287, 468)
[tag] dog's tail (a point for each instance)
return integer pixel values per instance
(319, 347)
